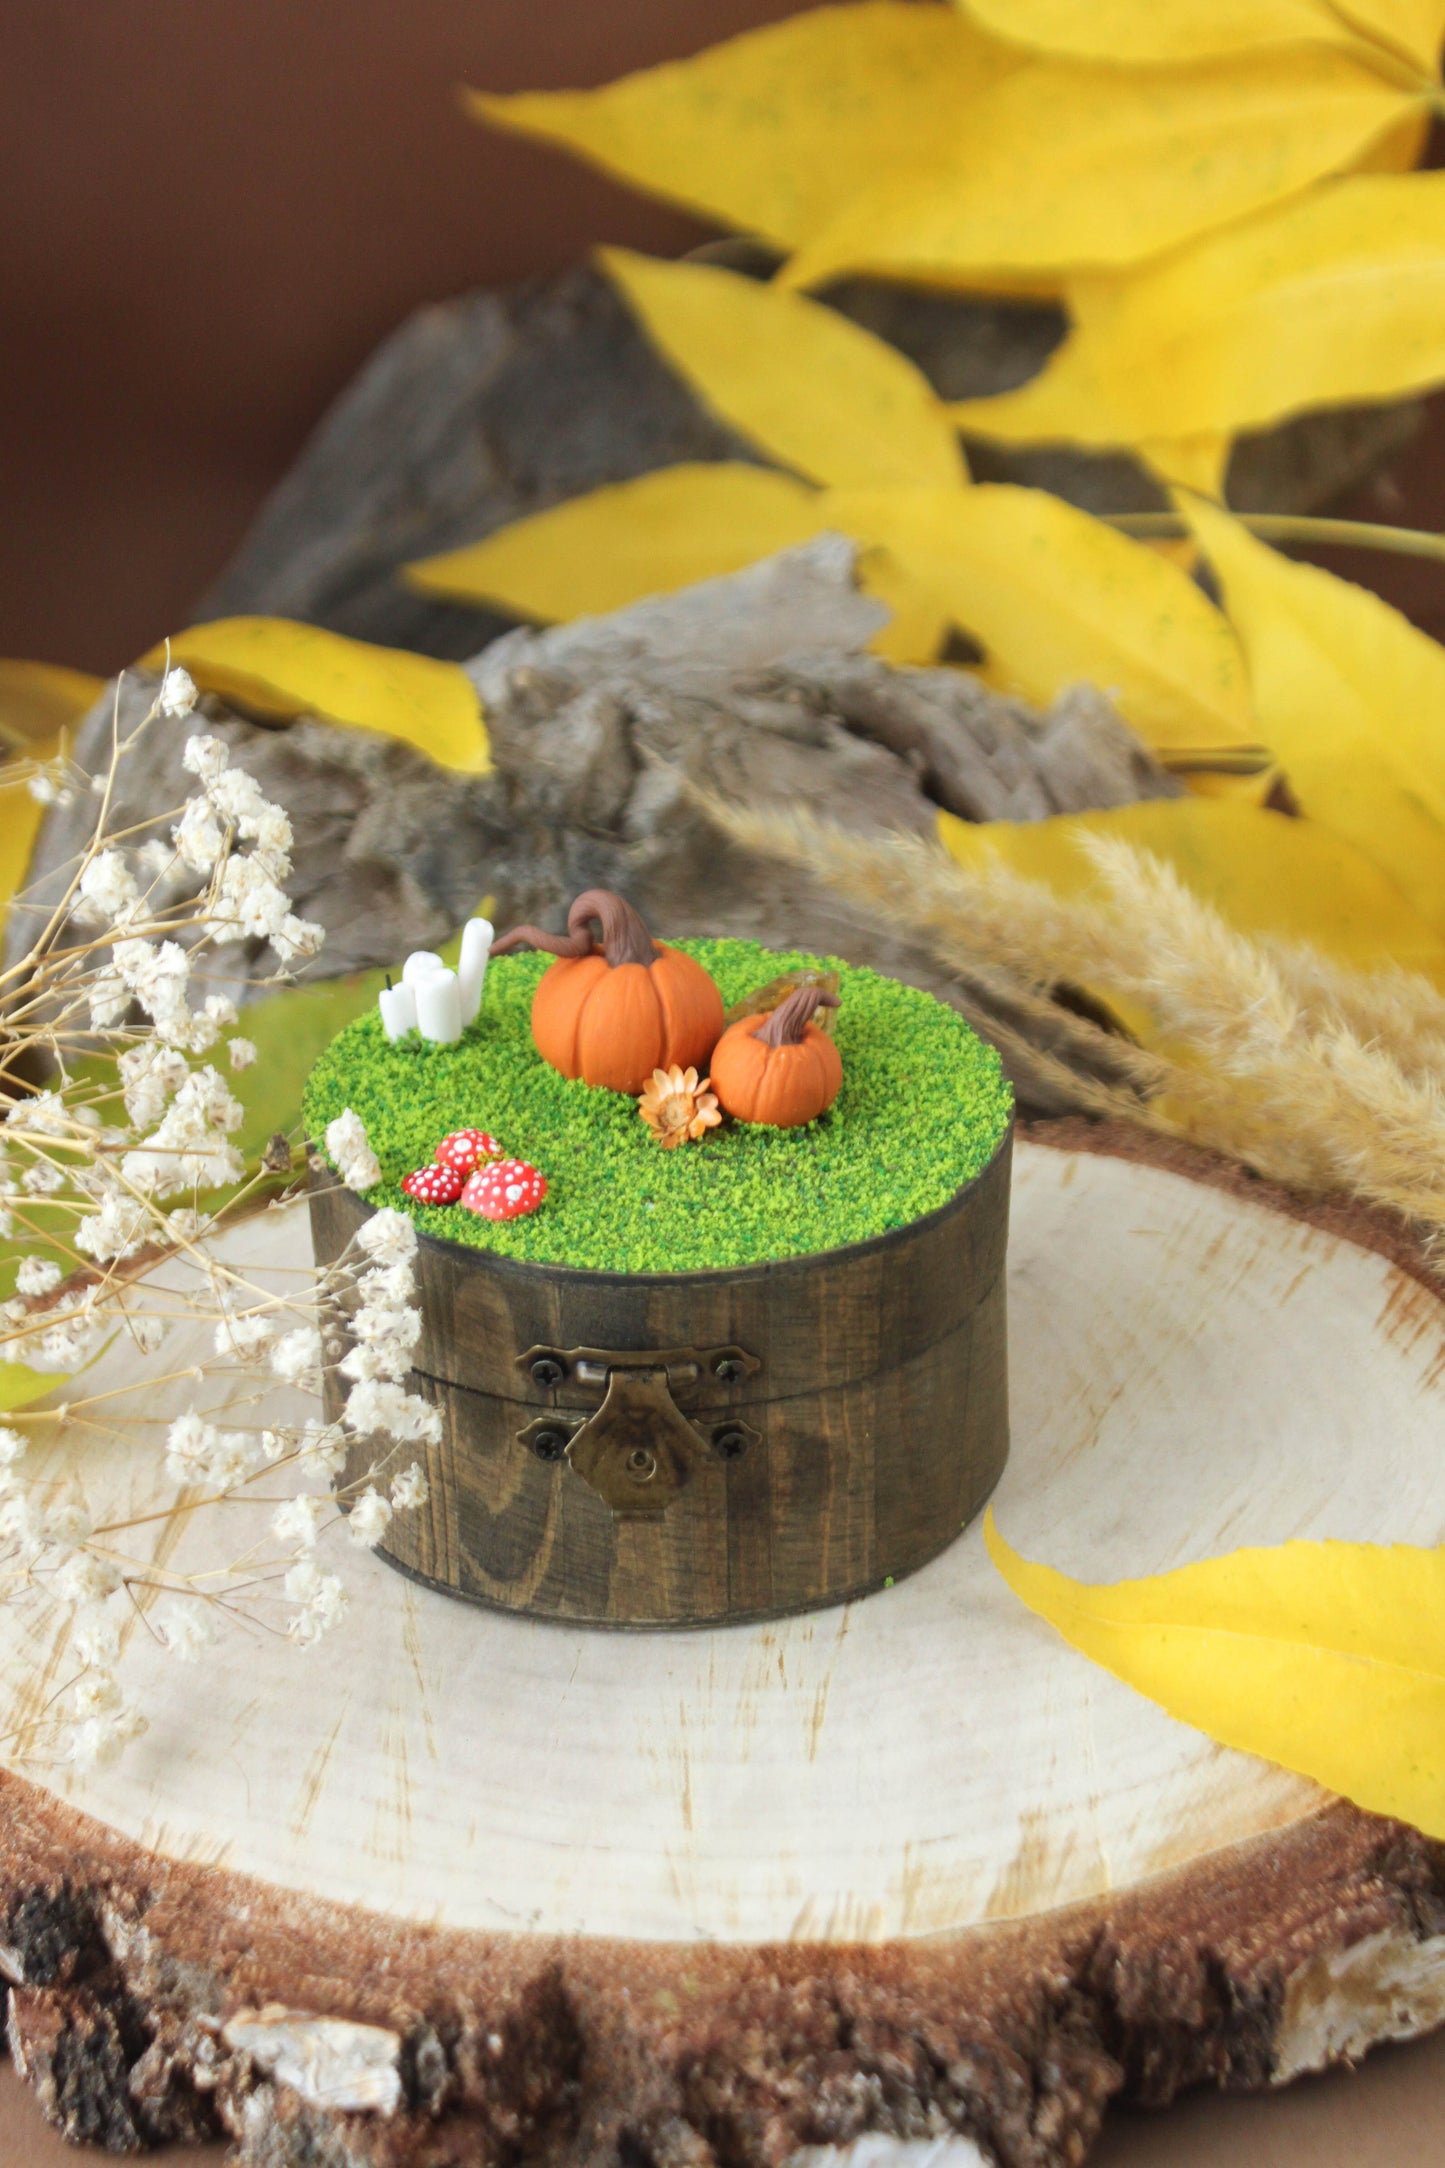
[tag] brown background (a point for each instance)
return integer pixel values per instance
(214, 208)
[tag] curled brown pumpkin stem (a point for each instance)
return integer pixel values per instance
(790, 1019)
(625, 938)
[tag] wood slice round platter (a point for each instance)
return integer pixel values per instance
(460, 1886)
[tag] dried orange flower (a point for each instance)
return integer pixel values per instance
(677, 1108)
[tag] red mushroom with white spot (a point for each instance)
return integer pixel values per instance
(464, 1149)
(435, 1184)
(506, 1190)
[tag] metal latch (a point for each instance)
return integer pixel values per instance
(638, 1449)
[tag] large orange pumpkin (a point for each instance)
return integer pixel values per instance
(780, 1069)
(613, 1012)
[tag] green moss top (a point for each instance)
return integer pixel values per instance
(923, 1105)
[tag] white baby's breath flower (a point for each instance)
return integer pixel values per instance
(96, 1641)
(410, 1488)
(120, 1228)
(147, 1333)
(205, 757)
(376, 1408)
(37, 1276)
(155, 859)
(177, 695)
(45, 1114)
(345, 1135)
(387, 1284)
(68, 1526)
(13, 1448)
(97, 1694)
(64, 1347)
(190, 1442)
(362, 1172)
(42, 1179)
(101, 1739)
(297, 939)
(296, 1356)
(84, 1578)
(242, 1334)
(239, 799)
(297, 1521)
(184, 1630)
(321, 1449)
(380, 1359)
(241, 1052)
(185, 1225)
(369, 1518)
(197, 836)
(108, 1000)
(107, 888)
(388, 1236)
(322, 1597)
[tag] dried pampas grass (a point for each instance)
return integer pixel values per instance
(1317, 1076)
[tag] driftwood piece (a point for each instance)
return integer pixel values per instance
(455, 1886)
(478, 411)
(756, 686)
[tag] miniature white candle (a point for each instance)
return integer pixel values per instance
(420, 965)
(398, 1010)
(439, 1007)
(472, 973)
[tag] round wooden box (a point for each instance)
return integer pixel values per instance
(685, 1449)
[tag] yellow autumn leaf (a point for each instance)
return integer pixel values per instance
(1056, 597)
(773, 131)
(20, 818)
(1336, 298)
(615, 545)
(1199, 461)
(659, 533)
(1328, 1658)
(278, 667)
(40, 699)
(1070, 166)
(1141, 32)
(1413, 28)
(918, 626)
(817, 392)
(1264, 873)
(1350, 698)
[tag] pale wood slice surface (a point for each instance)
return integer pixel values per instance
(1191, 1370)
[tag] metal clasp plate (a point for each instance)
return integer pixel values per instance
(638, 1450)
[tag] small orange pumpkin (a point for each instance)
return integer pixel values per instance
(613, 1012)
(783, 1070)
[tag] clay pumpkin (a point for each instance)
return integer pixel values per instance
(612, 1012)
(782, 1071)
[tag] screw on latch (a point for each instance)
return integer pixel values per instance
(729, 1369)
(549, 1444)
(546, 1370)
(729, 1444)
(641, 1465)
